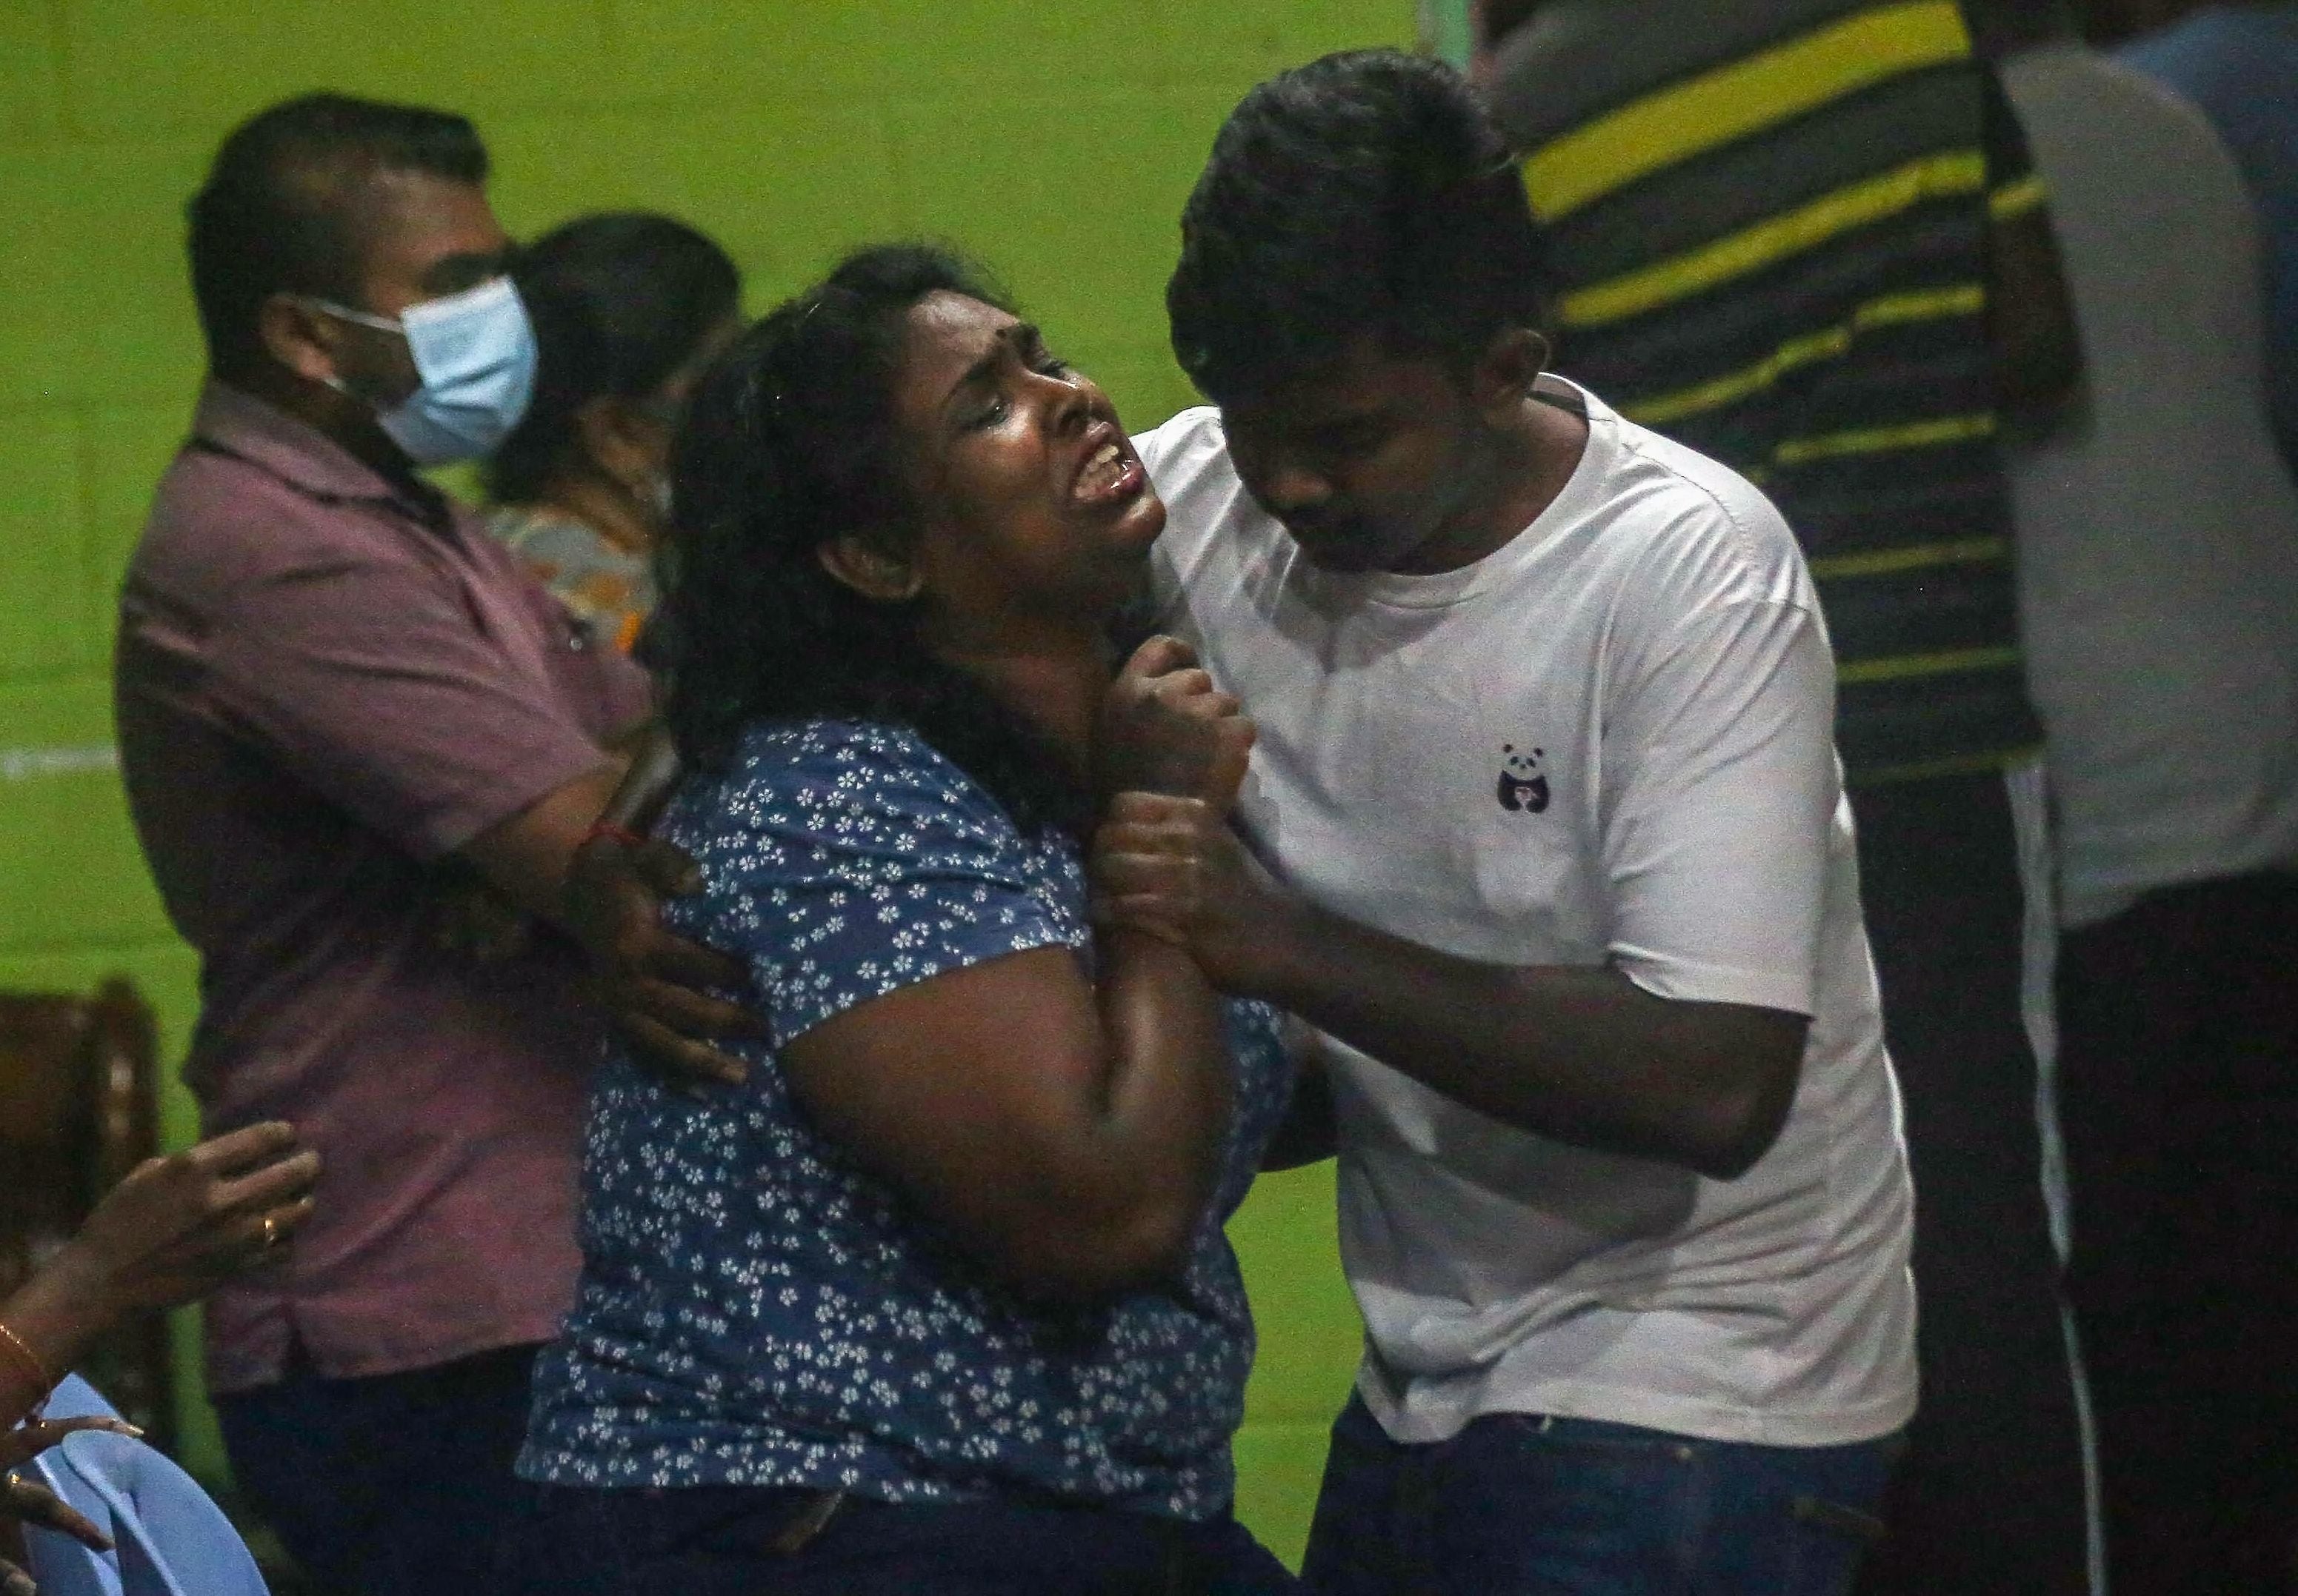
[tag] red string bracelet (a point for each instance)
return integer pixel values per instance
(609, 829)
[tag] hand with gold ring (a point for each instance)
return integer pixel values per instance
(179, 1225)
(172, 1230)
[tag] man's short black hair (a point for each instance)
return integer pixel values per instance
(277, 212)
(1367, 192)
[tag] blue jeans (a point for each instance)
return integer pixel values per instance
(772, 1541)
(390, 1485)
(1522, 1503)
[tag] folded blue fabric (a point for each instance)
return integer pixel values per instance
(169, 1539)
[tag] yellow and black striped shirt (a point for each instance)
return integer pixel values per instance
(1769, 221)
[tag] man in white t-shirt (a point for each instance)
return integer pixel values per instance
(1562, 871)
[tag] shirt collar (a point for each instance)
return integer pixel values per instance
(297, 452)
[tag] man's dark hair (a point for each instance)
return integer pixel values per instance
(1367, 192)
(278, 211)
(789, 442)
(621, 302)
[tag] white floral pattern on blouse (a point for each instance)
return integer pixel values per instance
(754, 1310)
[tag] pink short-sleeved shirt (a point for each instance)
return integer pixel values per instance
(327, 682)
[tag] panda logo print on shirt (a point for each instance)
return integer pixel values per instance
(1523, 788)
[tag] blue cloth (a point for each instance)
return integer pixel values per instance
(759, 1540)
(1517, 1503)
(755, 1309)
(168, 1538)
(2239, 65)
(387, 1485)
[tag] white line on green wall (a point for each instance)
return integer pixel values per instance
(31, 764)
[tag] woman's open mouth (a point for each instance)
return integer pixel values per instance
(1111, 473)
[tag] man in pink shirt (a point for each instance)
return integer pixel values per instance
(342, 709)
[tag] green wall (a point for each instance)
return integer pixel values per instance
(1056, 141)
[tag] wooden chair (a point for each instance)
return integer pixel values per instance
(78, 1110)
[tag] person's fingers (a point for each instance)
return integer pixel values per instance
(1212, 706)
(1232, 757)
(1119, 838)
(35, 1503)
(1185, 685)
(1144, 909)
(1142, 890)
(1158, 655)
(1151, 869)
(667, 868)
(29, 1439)
(1153, 807)
(1143, 915)
(53, 1430)
(236, 1150)
(272, 1185)
(1172, 839)
(261, 1240)
(15, 1582)
(677, 1058)
(1172, 877)
(682, 1011)
(1130, 905)
(690, 963)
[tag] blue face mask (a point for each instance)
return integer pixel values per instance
(475, 352)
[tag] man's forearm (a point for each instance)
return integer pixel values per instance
(645, 786)
(529, 856)
(526, 858)
(1582, 1054)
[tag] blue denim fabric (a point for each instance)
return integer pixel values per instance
(388, 1486)
(1521, 1503)
(790, 1541)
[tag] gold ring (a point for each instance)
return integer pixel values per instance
(271, 1232)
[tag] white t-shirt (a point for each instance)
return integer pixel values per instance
(1608, 741)
(2158, 529)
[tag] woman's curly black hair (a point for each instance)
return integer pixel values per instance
(789, 442)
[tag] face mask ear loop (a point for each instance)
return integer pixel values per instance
(365, 318)
(344, 313)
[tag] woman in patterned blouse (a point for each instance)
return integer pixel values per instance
(937, 1301)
